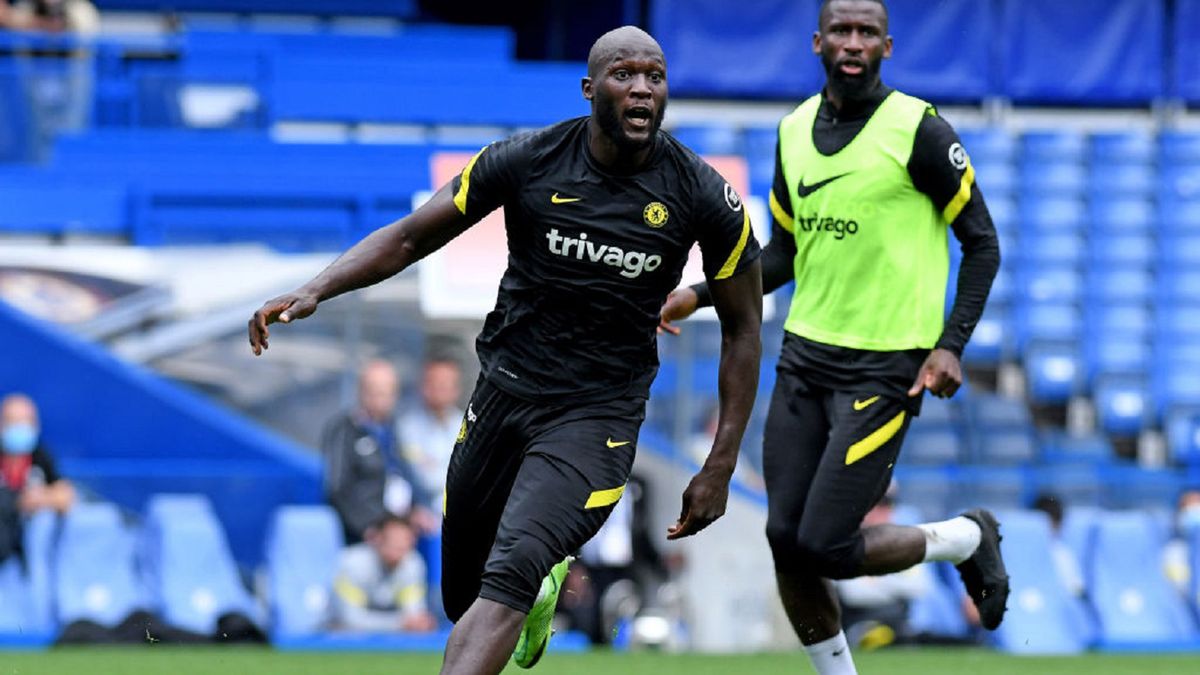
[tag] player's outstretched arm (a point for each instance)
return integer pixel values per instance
(738, 301)
(381, 255)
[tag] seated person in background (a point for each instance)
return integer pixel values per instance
(1176, 561)
(29, 481)
(380, 584)
(429, 430)
(51, 16)
(365, 476)
(1065, 563)
(875, 608)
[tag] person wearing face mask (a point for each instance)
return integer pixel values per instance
(1176, 558)
(29, 480)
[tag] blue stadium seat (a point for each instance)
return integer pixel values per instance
(1053, 146)
(193, 575)
(1179, 182)
(995, 177)
(1086, 449)
(302, 549)
(941, 412)
(1003, 210)
(1176, 386)
(1179, 147)
(15, 610)
(987, 412)
(1129, 180)
(1123, 404)
(1053, 321)
(1180, 216)
(1005, 446)
(1002, 287)
(1183, 436)
(1108, 249)
(1178, 322)
(1075, 480)
(1123, 146)
(998, 487)
(1107, 355)
(1040, 619)
(1113, 212)
(1058, 178)
(1052, 248)
(1181, 250)
(931, 444)
(993, 338)
(1130, 320)
(1051, 214)
(926, 488)
(41, 541)
(1052, 280)
(710, 139)
(1079, 534)
(1178, 285)
(988, 144)
(1132, 598)
(1194, 560)
(1054, 372)
(94, 575)
(1117, 281)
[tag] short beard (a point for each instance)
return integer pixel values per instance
(851, 88)
(610, 124)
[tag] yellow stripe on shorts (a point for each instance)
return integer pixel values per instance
(604, 497)
(876, 438)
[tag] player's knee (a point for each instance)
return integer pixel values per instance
(785, 544)
(829, 558)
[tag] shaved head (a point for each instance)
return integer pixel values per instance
(823, 16)
(617, 41)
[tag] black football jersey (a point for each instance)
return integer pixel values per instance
(592, 254)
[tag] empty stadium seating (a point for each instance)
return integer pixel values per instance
(94, 573)
(302, 551)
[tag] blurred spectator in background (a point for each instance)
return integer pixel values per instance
(1176, 564)
(29, 480)
(380, 584)
(51, 16)
(365, 475)
(1066, 565)
(428, 431)
(875, 608)
(59, 73)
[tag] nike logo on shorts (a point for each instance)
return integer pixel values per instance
(615, 444)
(860, 405)
(555, 199)
(803, 190)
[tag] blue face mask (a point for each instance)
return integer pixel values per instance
(1189, 519)
(19, 439)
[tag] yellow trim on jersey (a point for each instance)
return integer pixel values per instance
(963, 196)
(604, 497)
(460, 197)
(730, 265)
(349, 592)
(876, 439)
(781, 216)
(410, 595)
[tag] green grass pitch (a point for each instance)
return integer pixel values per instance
(251, 661)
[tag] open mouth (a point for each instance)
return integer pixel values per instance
(638, 117)
(852, 67)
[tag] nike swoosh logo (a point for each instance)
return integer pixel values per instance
(803, 190)
(615, 444)
(859, 405)
(555, 199)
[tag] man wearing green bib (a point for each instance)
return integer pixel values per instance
(867, 182)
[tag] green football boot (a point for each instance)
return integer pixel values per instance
(536, 633)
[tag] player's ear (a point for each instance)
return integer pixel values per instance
(887, 47)
(587, 88)
(817, 42)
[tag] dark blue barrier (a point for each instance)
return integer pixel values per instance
(943, 49)
(1084, 52)
(1185, 57)
(718, 49)
(403, 9)
(127, 433)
